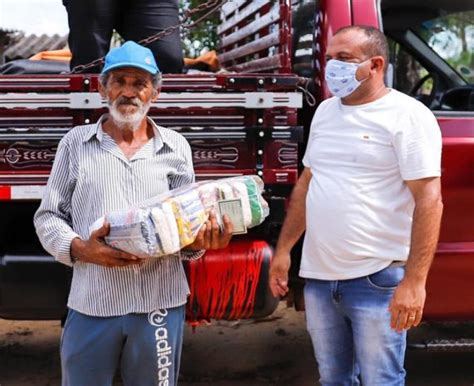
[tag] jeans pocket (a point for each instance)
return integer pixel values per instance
(386, 279)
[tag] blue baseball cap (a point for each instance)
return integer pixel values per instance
(131, 54)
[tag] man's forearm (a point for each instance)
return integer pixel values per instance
(295, 221)
(424, 238)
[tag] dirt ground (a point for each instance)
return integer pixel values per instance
(272, 351)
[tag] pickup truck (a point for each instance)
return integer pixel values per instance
(252, 119)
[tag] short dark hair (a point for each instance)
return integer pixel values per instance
(376, 44)
(156, 79)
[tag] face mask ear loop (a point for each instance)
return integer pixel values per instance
(363, 80)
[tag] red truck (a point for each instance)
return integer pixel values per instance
(252, 119)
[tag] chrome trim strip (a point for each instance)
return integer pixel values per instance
(84, 100)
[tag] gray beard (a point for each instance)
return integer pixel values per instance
(128, 121)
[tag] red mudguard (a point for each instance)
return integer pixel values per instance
(231, 283)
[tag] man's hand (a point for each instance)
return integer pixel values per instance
(292, 229)
(210, 235)
(96, 251)
(408, 300)
(407, 304)
(279, 268)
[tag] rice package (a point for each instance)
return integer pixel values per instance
(171, 221)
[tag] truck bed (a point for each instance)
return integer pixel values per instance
(236, 124)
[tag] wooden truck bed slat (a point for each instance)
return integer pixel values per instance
(240, 16)
(256, 36)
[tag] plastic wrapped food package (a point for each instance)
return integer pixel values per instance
(131, 231)
(171, 221)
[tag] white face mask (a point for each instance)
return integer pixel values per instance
(341, 77)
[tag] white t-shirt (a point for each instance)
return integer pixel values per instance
(358, 208)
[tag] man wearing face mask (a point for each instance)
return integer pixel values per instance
(370, 197)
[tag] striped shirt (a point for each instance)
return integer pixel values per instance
(91, 177)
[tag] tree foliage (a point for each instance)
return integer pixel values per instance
(203, 37)
(452, 37)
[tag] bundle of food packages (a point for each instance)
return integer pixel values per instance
(171, 221)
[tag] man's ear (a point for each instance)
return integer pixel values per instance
(102, 92)
(377, 64)
(155, 95)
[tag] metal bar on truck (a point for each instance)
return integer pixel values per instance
(81, 101)
(21, 192)
(285, 37)
(259, 64)
(56, 83)
(171, 83)
(268, 41)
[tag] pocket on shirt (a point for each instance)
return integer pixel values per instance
(375, 152)
(386, 279)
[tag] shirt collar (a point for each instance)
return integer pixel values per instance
(160, 136)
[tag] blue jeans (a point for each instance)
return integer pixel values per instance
(147, 347)
(349, 324)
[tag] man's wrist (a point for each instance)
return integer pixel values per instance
(76, 245)
(414, 278)
(282, 250)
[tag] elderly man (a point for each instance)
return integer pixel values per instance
(121, 309)
(370, 197)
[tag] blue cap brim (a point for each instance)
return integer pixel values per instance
(151, 71)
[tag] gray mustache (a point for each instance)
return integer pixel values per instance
(128, 101)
